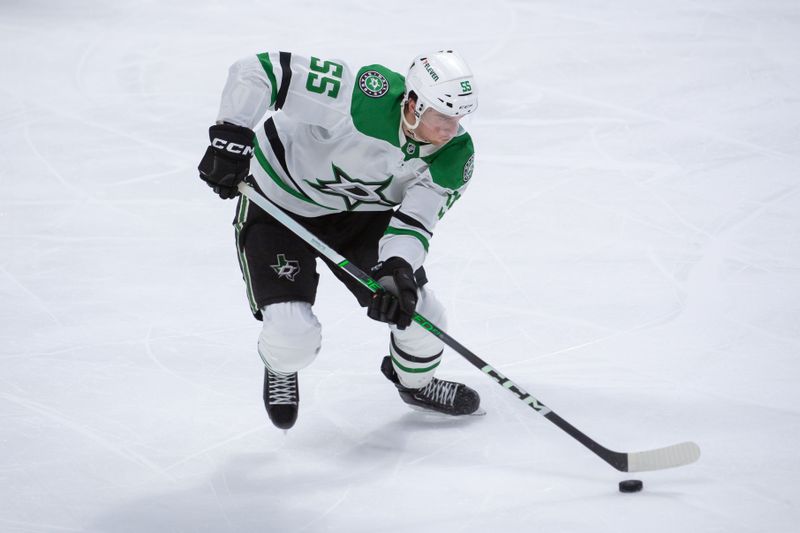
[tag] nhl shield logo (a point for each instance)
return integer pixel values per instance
(373, 84)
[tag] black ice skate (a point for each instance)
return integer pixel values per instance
(281, 397)
(446, 397)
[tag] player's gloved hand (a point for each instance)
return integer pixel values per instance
(397, 302)
(227, 161)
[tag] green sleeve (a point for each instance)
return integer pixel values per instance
(375, 105)
(451, 167)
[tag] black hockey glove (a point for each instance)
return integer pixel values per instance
(397, 302)
(227, 161)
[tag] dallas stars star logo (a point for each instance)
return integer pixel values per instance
(286, 269)
(353, 191)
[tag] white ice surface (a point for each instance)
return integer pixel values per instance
(628, 252)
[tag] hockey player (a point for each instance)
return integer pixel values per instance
(368, 162)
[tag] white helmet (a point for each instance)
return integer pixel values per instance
(443, 81)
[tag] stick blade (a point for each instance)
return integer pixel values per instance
(661, 458)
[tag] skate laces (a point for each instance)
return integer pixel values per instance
(440, 391)
(282, 388)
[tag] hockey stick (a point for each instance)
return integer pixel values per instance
(656, 459)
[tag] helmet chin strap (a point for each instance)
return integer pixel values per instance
(410, 127)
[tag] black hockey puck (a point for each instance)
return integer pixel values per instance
(630, 485)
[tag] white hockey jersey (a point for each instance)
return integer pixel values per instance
(335, 143)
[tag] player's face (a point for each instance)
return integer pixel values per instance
(436, 128)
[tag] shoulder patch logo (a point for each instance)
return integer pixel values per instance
(468, 166)
(373, 84)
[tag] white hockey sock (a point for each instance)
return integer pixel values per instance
(413, 371)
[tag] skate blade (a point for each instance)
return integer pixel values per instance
(436, 414)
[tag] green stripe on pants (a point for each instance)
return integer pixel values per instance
(244, 205)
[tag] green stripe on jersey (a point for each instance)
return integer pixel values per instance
(266, 64)
(262, 160)
(400, 231)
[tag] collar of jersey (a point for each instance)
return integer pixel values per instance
(423, 150)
